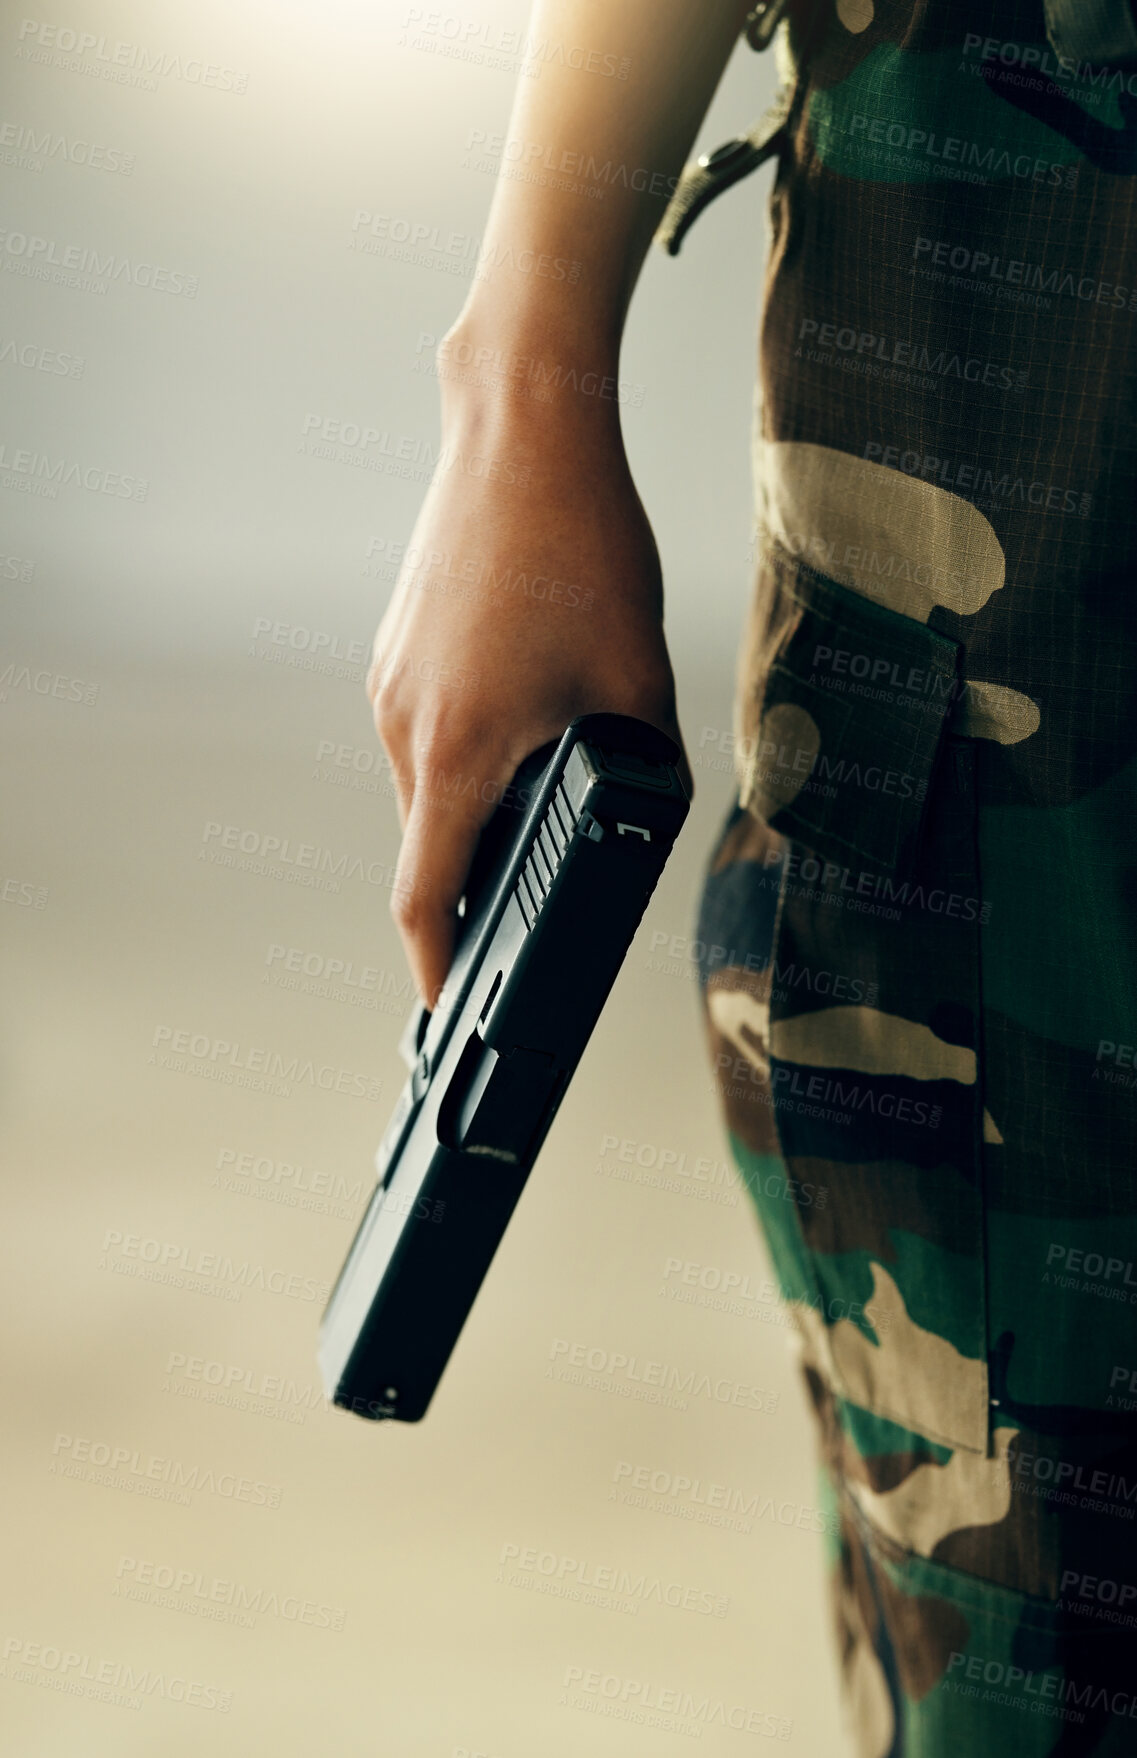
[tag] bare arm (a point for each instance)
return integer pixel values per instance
(531, 591)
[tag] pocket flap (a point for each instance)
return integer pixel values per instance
(844, 708)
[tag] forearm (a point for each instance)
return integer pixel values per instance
(586, 171)
(527, 373)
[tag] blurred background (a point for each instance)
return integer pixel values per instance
(224, 227)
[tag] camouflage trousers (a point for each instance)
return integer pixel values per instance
(970, 1355)
(920, 920)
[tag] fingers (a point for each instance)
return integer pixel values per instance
(686, 778)
(439, 838)
(392, 731)
(684, 765)
(455, 731)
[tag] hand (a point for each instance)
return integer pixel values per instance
(530, 594)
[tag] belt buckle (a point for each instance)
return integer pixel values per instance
(762, 21)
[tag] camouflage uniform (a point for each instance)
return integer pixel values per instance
(920, 946)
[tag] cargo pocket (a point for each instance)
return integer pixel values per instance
(867, 1029)
(941, 1660)
(842, 715)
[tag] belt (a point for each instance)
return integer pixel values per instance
(1093, 31)
(711, 173)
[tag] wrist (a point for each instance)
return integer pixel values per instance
(529, 394)
(520, 364)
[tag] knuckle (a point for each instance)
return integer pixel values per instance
(405, 914)
(380, 691)
(408, 908)
(391, 725)
(373, 683)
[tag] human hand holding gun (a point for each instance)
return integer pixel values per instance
(531, 592)
(526, 624)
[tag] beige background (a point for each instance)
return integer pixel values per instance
(152, 612)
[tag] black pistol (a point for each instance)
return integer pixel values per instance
(558, 885)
